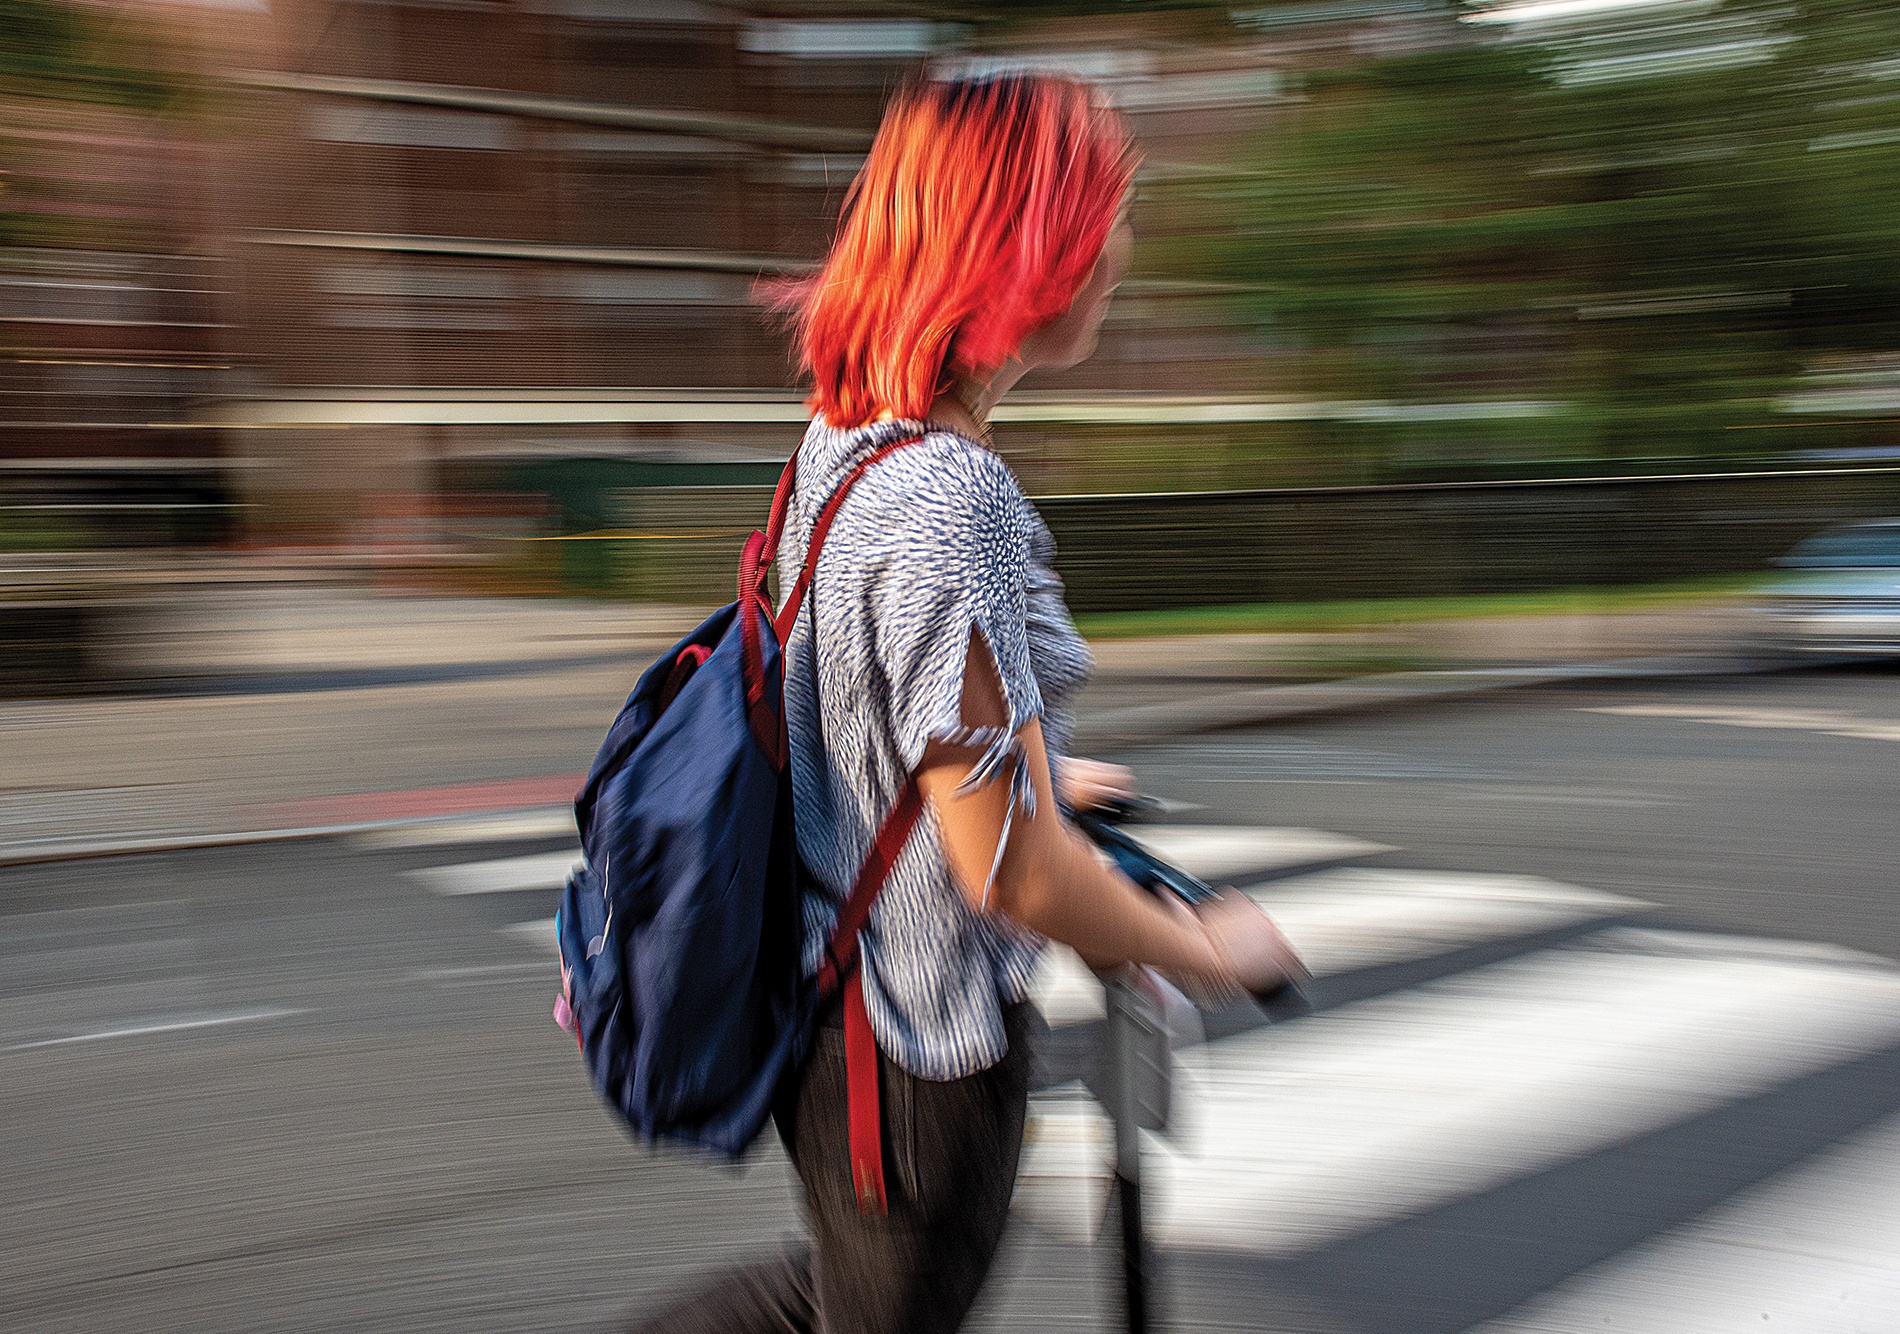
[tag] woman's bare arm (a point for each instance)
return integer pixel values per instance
(1050, 878)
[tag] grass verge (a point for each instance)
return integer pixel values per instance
(1308, 617)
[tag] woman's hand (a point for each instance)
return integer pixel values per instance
(1084, 785)
(1252, 955)
(1257, 951)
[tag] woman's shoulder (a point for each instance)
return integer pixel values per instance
(949, 472)
(943, 489)
(954, 457)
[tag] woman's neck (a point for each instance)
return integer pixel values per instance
(963, 413)
(965, 406)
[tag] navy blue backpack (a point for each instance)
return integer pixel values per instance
(680, 936)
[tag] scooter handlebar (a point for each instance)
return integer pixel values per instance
(1288, 999)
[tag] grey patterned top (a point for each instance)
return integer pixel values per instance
(932, 542)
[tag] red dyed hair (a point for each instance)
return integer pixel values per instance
(978, 216)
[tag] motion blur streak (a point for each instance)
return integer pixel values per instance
(1500, 391)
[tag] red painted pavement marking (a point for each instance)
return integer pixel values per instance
(422, 803)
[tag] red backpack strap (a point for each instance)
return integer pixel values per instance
(761, 551)
(841, 954)
(755, 563)
(788, 614)
(861, 1097)
(841, 964)
(781, 505)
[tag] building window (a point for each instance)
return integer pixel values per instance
(848, 39)
(681, 13)
(404, 296)
(410, 127)
(652, 298)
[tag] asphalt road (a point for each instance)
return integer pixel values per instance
(1763, 804)
(289, 1088)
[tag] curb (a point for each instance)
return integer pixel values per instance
(1146, 724)
(135, 846)
(1117, 729)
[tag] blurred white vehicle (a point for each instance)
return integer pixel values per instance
(1841, 593)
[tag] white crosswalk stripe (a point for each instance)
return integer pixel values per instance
(543, 872)
(537, 934)
(1815, 1249)
(503, 875)
(555, 822)
(1301, 1135)
(1364, 917)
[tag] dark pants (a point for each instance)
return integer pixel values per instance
(950, 1151)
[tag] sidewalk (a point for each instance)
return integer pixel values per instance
(305, 711)
(224, 634)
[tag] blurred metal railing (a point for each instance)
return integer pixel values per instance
(1130, 552)
(1127, 552)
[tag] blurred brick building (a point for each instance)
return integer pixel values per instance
(473, 231)
(415, 248)
(114, 305)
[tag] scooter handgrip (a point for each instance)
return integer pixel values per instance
(1291, 999)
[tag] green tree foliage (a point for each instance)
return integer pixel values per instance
(57, 58)
(54, 50)
(1658, 215)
